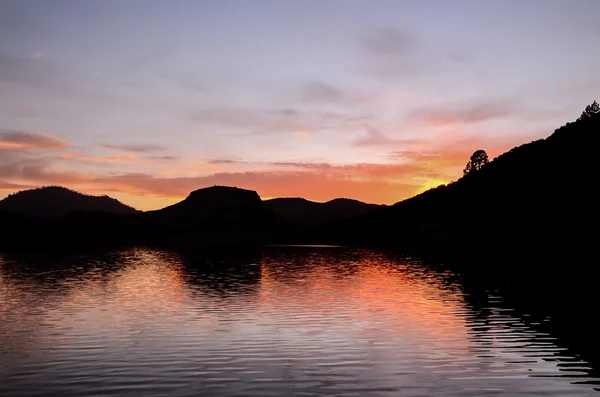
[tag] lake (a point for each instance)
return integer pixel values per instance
(304, 321)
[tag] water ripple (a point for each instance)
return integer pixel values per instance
(303, 321)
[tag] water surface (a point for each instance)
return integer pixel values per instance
(292, 321)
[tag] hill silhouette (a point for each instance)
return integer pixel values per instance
(213, 215)
(218, 215)
(537, 200)
(306, 212)
(55, 202)
(208, 201)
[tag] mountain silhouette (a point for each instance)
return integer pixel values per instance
(55, 202)
(535, 204)
(308, 212)
(213, 215)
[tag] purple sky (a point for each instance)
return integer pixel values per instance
(375, 100)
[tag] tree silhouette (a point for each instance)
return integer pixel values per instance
(478, 159)
(590, 111)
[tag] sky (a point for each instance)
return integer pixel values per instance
(374, 100)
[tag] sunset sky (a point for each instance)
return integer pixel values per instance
(147, 100)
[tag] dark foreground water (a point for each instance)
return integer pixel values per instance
(301, 321)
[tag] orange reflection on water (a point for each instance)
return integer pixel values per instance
(385, 297)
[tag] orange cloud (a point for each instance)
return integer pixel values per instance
(69, 155)
(411, 173)
(312, 185)
(401, 174)
(303, 134)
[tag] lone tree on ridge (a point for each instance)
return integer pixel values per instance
(590, 111)
(478, 159)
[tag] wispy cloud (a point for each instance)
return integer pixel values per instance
(14, 139)
(19, 168)
(391, 54)
(121, 158)
(388, 42)
(257, 121)
(440, 116)
(320, 92)
(168, 158)
(375, 138)
(136, 148)
(226, 161)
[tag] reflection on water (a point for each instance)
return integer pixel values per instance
(296, 321)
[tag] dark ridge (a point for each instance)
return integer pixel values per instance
(306, 213)
(536, 199)
(55, 201)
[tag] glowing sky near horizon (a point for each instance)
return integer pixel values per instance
(374, 100)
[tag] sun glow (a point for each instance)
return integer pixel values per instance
(431, 183)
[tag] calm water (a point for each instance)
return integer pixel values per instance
(301, 321)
